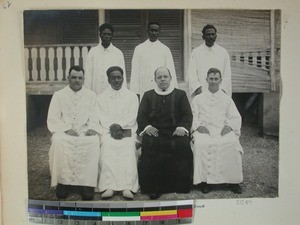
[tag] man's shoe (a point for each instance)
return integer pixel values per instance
(87, 193)
(62, 191)
(154, 196)
(107, 194)
(127, 194)
(205, 187)
(235, 188)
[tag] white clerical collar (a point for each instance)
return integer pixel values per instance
(166, 92)
(109, 48)
(207, 91)
(153, 42)
(112, 92)
(70, 90)
(212, 48)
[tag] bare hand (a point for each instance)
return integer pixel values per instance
(203, 130)
(198, 90)
(115, 128)
(91, 132)
(179, 132)
(152, 131)
(226, 129)
(71, 132)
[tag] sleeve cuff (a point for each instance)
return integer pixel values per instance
(143, 132)
(182, 128)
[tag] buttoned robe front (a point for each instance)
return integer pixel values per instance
(166, 160)
(147, 57)
(99, 59)
(217, 158)
(74, 159)
(202, 59)
(118, 162)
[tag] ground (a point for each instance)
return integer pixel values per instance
(260, 169)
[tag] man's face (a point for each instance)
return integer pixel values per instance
(106, 37)
(76, 80)
(209, 37)
(153, 32)
(213, 80)
(115, 80)
(163, 79)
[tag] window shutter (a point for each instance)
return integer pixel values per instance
(80, 26)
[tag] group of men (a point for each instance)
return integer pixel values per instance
(96, 121)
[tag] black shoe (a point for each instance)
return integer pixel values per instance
(87, 193)
(154, 196)
(205, 187)
(62, 191)
(235, 188)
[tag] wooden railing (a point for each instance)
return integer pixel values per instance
(51, 63)
(46, 67)
(258, 59)
(251, 71)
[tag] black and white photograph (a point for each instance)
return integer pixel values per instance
(166, 104)
(152, 104)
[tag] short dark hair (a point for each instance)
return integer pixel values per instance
(106, 26)
(112, 69)
(76, 68)
(153, 23)
(161, 68)
(214, 71)
(208, 26)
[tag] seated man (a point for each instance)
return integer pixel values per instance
(216, 129)
(74, 152)
(165, 119)
(118, 108)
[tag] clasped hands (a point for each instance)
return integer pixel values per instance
(89, 132)
(152, 131)
(203, 130)
(116, 131)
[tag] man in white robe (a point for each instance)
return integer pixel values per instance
(147, 57)
(205, 56)
(216, 130)
(100, 58)
(118, 108)
(74, 153)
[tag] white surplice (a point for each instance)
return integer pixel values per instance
(202, 59)
(99, 59)
(217, 159)
(147, 57)
(73, 160)
(118, 162)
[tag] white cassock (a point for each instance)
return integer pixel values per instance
(217, 159)
(202, 59)
(147, 57)
(73, 160)
(99, 59)
(118, 162)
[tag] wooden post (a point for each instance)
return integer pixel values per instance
(187, 49)
(272, 50)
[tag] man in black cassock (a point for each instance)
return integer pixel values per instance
(164, 119)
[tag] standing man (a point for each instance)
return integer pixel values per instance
(165, 119)
(74, 153)
(147, 57)
(100, 58)
(118, 108)
(216, 131)
(208, 55)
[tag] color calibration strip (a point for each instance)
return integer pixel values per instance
(110, 213)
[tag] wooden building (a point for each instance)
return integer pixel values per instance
(54, 40)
